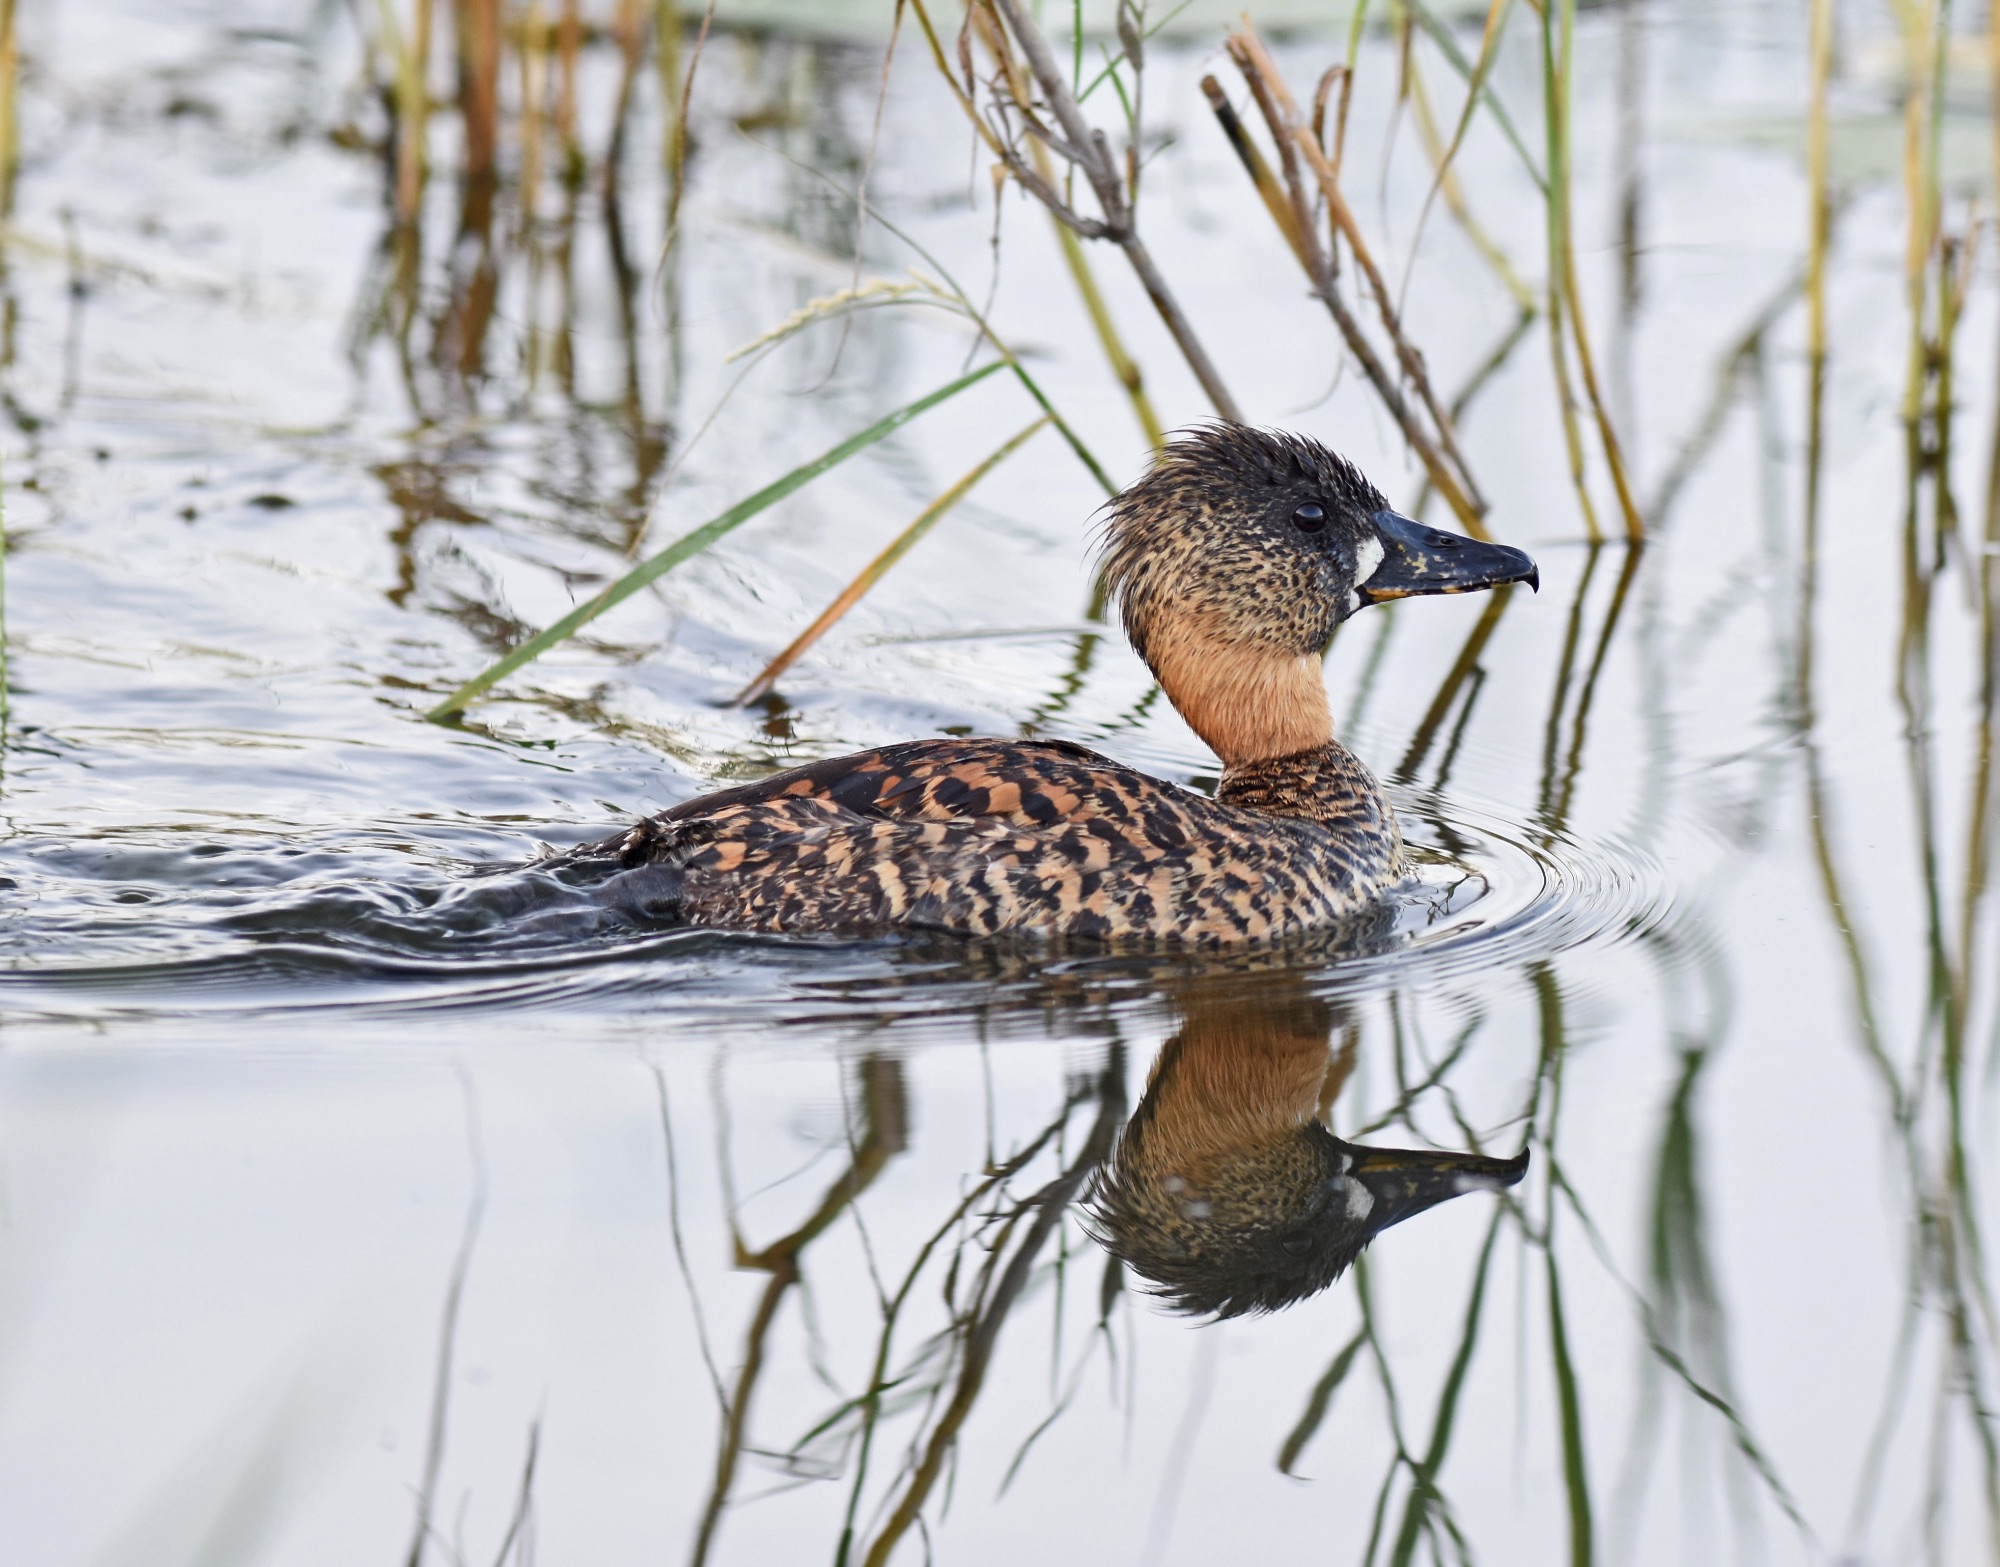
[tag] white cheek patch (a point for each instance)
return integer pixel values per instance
(1367, 558)
(1360, 1200)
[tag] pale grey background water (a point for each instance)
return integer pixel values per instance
(256, 1115)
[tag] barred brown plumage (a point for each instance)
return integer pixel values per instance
(1234, 558)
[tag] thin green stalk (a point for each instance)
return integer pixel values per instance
(1123, 365)
(1446, 183)
(1586, 361)
(1424, 1500)
(1555, 88)
(1318, 1402)
(878, 568)
(694, 543)
(1441, 35)
(1576, 1481)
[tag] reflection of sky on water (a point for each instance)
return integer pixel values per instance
(234, 1200)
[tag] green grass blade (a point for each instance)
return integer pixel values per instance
(1318, 1403)
(1576, 1482)
(1440, 35)
(1424, 1501)
(690, 544)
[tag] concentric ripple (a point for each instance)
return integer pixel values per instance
(144, 925)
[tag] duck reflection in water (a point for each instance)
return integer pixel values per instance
(1227, 1192)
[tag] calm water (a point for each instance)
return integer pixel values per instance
(356, 1208)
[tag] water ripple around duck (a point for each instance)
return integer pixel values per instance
(241, 925)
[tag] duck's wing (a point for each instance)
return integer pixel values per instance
(1019, 783)
(974, 837)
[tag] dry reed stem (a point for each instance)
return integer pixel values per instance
(409, 60)
(1607, 433)
(10, 120)
(1558, 187)
(878, 568)
(1087, 150)
(534, 90)
(1303, 241)
(1291, 129)
(1299, 232)
(569, 42)
(1920, 21)
(1820, 49)
(479, 86)
(1294, 137)
(667, 62)
(628, 30)
(1445, 179)
(1123, 366)
(677, 175)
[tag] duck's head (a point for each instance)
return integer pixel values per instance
(1228, 1195)
(1237, 555)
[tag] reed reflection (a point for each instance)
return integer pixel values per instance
(1227, 1191)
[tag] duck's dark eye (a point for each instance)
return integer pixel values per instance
(1298, 1243)
(1310, 517)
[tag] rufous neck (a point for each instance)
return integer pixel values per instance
(1248, 702)
(1240, 1074)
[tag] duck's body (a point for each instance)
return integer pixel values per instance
(984, 837)
(1233, 560)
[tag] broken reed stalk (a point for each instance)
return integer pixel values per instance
(878, 568)
(1086, 151)
(1123, 366)
(1275, 99)
(1296, 224)
(1293, 211)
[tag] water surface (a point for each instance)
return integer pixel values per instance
(360, 1203)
